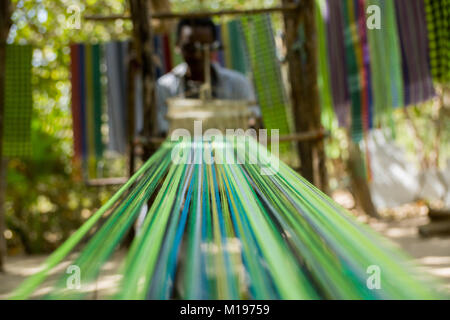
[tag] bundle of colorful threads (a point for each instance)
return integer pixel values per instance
(228, 220)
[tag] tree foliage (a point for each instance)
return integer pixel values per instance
(43, 203)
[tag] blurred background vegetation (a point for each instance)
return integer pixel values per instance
(44, 204)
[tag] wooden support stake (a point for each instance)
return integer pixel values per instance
(305, 136)
(142, 35)
(131, 78)
(302, 60)
(359, 186)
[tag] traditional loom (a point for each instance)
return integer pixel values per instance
(242, 226)
(229, 220)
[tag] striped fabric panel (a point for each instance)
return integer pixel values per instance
(97, 100)
(386, 63)
(89, 112)
(358, 67)
(337, 61)
(87, 104)
(237, 47)
(394, 57)
(225, 36)
(324, 85)
(412, 28)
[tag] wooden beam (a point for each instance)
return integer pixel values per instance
(302, 61)
(198, 14)
(106, 182)
(305, 136)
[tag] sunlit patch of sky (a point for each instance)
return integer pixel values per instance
(42, 15)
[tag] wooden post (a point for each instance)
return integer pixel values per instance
(143, 40)
(143, 46)
(359, 187)
(5, 23)
(302, 60)
(131, 78)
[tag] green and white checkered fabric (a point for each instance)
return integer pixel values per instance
(263, 61)
(18, 102)
(438, 18)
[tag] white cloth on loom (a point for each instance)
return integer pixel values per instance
(231, 85)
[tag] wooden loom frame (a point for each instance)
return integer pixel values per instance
(309, 133)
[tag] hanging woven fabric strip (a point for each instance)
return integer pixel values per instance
(17, 101)
(86, 105)
(414, 43)
(337, 62)
(323, 81)
(162, 51)
(225, 38)
(244, 226)
(385, 60)
(358, 67)
(438, 17)
(94, 103)
(237, 47)
(75, 78)
(266, 74)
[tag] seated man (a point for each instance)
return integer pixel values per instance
(185, 79)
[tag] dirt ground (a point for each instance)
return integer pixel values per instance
(432, 254)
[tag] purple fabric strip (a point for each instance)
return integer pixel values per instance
(336, 53)
(414, 42)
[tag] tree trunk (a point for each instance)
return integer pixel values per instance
(360, 188)
(302, 60)
(5, 23)
(143, 42)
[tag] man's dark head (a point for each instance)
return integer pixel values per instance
(190, 33)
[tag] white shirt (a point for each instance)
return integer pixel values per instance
(230, 85)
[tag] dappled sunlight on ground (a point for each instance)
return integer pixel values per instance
(20, 267)
(431, 254)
